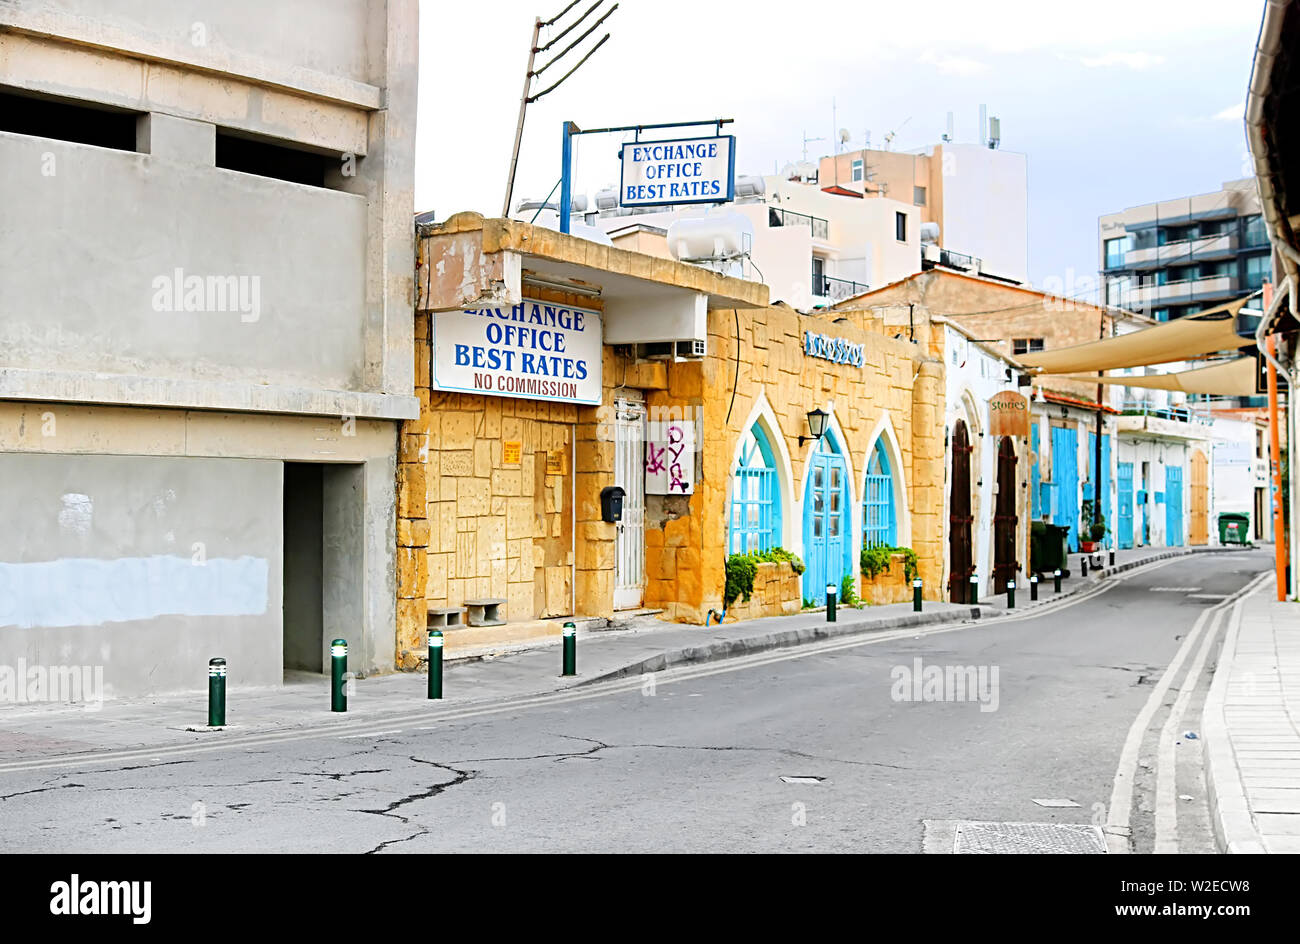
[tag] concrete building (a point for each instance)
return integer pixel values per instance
(695, 398)
(977, 196)
(205, 333)
(1240, 474)
(1177, 257)
(811, 247)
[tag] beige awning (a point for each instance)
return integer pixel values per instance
(1190, 336)
(1234, 378)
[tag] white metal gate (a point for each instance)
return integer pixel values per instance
(629, 474)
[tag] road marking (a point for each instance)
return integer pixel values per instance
(1166, 814)
(1175, 589)
(1119, 812)
(344, 737)
(564, 696)
(1057, 803)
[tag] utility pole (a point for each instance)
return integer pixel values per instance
(523, 110)
(1096, 485)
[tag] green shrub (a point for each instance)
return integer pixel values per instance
(876, 560)
(742, 568)
(848, 592)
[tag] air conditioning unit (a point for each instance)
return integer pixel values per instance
(690, 350)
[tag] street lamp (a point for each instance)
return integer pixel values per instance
(816, 425)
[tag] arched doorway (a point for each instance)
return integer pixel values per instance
(826, 519)
(960, 519)
(1005, 564)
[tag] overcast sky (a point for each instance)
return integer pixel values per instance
(1115, 102)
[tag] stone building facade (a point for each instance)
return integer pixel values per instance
(500, 497)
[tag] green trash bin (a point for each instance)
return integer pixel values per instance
(1234, 528)
(1047, 547)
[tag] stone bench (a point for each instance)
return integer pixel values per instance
(444, 617)
(485, 612)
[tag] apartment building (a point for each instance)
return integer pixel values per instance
(205, 333)
(975, 195)
(1181, 256)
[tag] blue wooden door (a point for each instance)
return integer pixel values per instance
(1124, 528)
(1174, 506)
(1107, 513)
(825, 521)
(1065, 478)
(1036, 502)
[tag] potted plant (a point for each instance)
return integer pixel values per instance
(1096, 533)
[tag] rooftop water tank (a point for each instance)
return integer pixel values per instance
(929, 234)
(716, 236)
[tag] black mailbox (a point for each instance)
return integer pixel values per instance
(611, 503)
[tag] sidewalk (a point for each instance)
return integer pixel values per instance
(996, 604)
(1252, 728)
(34, 732)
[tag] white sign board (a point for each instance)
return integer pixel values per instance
(533, 351)
(670, 458)
(1230, 452)
(689, 170)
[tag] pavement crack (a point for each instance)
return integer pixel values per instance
(461, 776)
(46, 789)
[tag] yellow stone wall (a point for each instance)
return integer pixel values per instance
(889, 586)
(471, 525)
(776, 593)
(686, 544)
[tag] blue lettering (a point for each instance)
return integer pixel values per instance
(462, 355)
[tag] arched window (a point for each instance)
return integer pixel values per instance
(879, 522)
(755, 497)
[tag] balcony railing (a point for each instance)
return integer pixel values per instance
(1190, 290)
(823, 286)
(821, 229)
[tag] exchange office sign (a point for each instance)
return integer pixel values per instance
(534, 351)
(1009, 414)
(691, 170)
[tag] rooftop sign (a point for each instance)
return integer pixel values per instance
(687, 170)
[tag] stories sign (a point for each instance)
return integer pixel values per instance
(1009, 414)
(533, 350)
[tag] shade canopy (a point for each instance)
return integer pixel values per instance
(1223, 328)
(1234, 378)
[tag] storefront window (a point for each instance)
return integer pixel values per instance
(879, 525)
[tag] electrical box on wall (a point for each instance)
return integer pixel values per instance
(611, 503)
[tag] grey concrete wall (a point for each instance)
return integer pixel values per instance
(90, 283)
(92, 241)
(318, 35)
(146, 566)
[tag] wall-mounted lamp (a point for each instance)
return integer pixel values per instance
(816, 425)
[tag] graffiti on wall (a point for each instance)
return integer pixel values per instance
(670, 458)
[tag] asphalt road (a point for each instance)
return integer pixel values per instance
(695, 761)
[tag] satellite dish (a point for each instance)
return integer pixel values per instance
(844, 136)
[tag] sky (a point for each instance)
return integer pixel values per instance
(1116, 103)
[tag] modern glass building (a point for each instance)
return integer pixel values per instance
(1179, 257)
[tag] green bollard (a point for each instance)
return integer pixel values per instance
(830, 603)
(338, 668)
(435, 663)
(1033, 587)
(916, 595)
(570, 649)
(1056, 579)
(973, 589)
(216, 693)
(1011, 594)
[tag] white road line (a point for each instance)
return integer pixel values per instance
(1119, 813)
(547, 699)
(1166, 813)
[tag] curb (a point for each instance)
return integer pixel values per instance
(777, 639)
(1234, 827)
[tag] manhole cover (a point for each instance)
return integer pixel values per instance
(1020, 838)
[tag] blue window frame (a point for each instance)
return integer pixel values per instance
(879, 519)
(755, 498)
